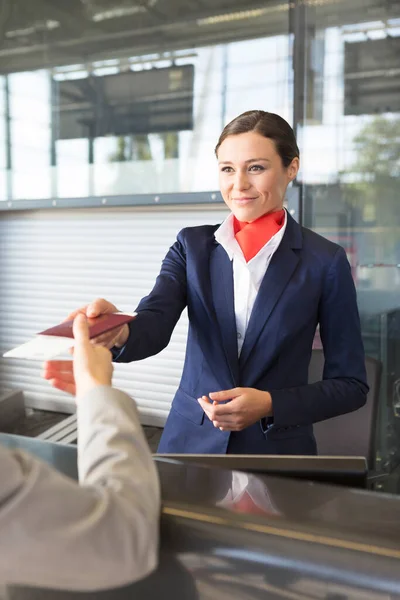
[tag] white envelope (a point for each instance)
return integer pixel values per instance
(41, 347)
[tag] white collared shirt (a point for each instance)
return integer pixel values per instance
(257, 490)
(247, 277)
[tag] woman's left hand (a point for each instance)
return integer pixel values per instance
(246, 407)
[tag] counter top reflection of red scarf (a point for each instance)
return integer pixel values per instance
(253, 236)
(245, 504)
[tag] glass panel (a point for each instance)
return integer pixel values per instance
(2, 97)
(30, 134)
(3, 144)
(350, 141)
(3, 184)
(258, 75)
(95, 114)
(71, 176)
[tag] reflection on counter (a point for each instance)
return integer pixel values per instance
(229, 534)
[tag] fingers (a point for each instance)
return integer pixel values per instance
(57, 369)
(61, 365)
(107, 339)
(64, 386)
(72, 315)
(60, 375)
(66, 376)
(94, 309)
(99, 307)
(80, 329)
(226, 424)
(103, 353)
(205, 405)
(225, 395)
(215, 411)
(204, 400)
(223, 416)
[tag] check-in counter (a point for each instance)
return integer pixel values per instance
(228, 535)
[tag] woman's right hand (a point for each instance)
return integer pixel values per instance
(116, 337)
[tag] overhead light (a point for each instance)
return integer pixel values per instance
(20, 32)
(123, 8)
(117, 13)
(101, 71)
(48, 25)
(363, 26)
(146, 57)
(317, 3)
(157, 59)
(68, 68)
(374, 30)
(73, 75)
(377, 34)
(357, 36)
(242, 15)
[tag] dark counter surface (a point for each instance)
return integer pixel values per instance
(355, 515)
(232, 535)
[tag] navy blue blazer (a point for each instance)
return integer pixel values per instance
(307, 283)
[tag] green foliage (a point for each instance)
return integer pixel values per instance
(378, 148)
(376, 171)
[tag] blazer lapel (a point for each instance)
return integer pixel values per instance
(278, 275)
(221, 275)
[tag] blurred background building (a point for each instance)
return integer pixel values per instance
(109, 114)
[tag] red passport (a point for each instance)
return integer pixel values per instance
(97, 326)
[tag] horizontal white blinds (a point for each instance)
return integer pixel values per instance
(53, 261)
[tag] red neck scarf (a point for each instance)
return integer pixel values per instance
(251, 237)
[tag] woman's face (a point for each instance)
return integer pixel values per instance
(252, 178)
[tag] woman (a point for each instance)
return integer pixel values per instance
(256, 288)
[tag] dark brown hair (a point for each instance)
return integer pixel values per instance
(269, 125)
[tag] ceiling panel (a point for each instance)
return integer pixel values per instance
(48, 33)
